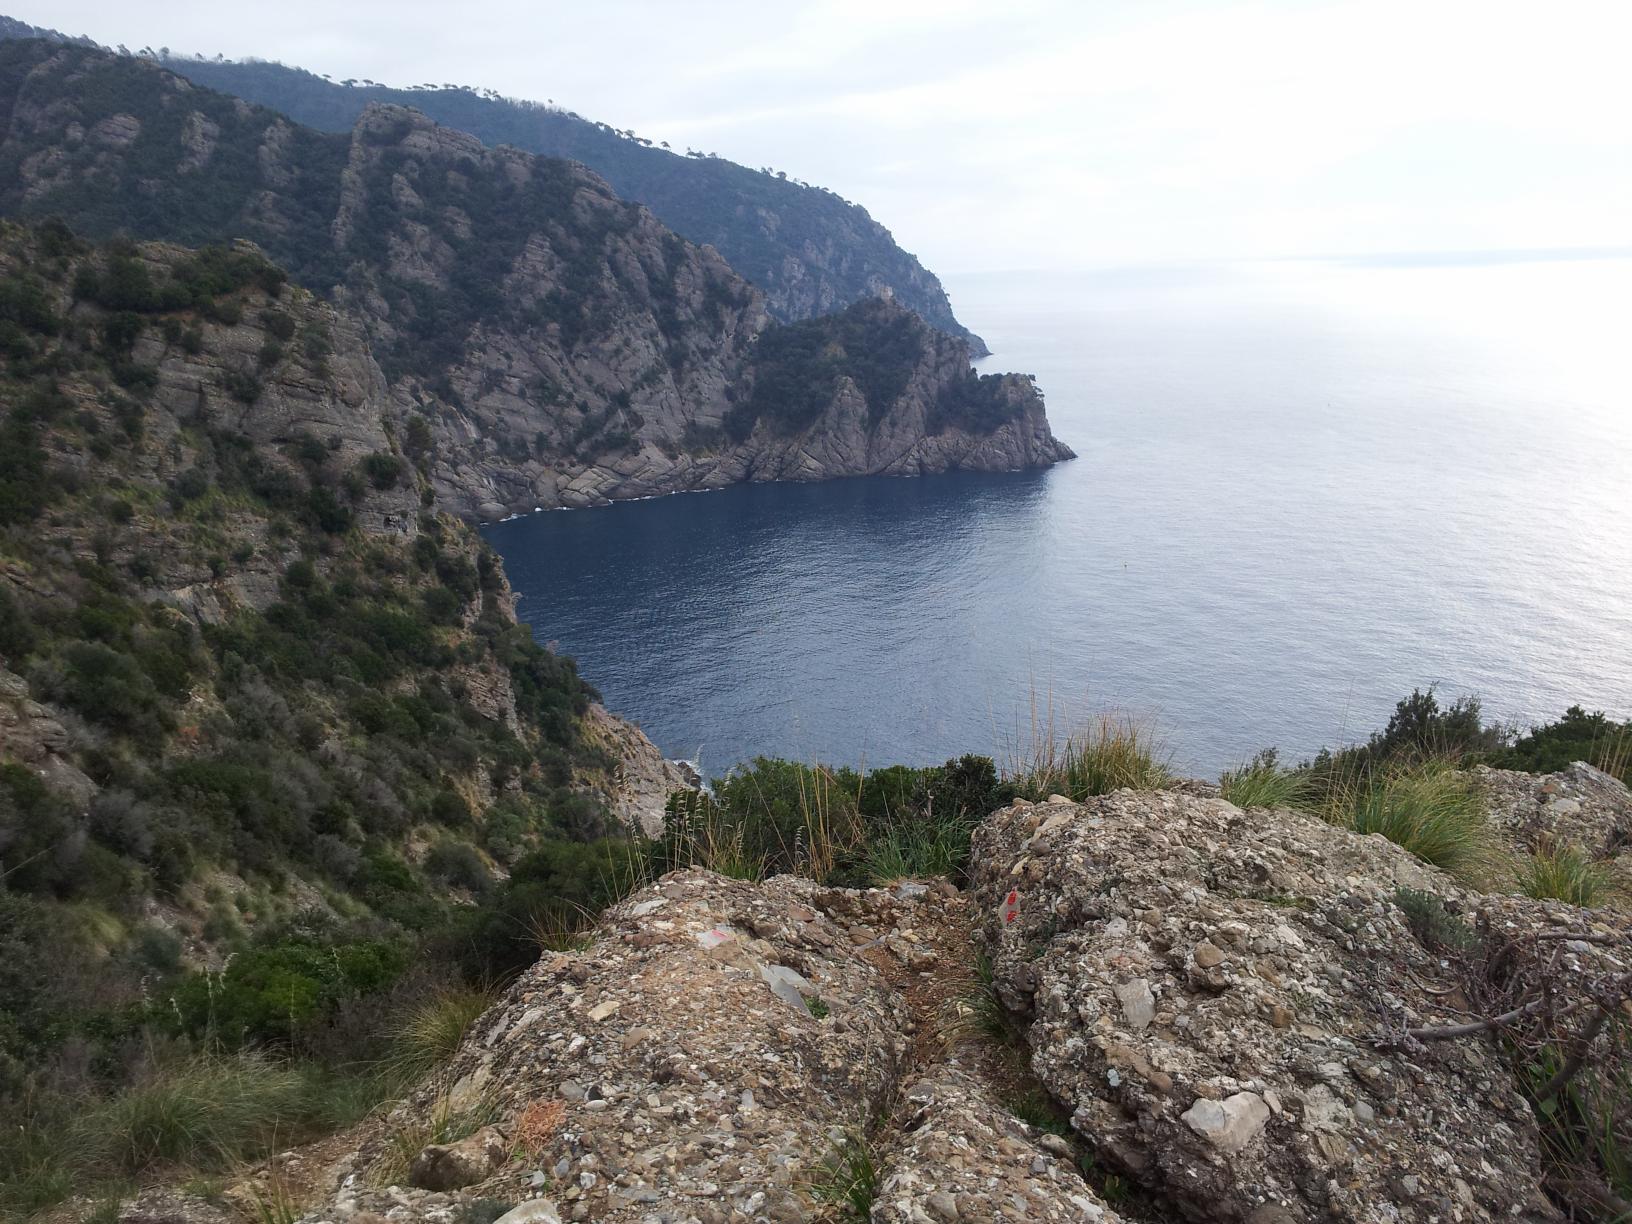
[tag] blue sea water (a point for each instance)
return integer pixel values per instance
(1303, 489)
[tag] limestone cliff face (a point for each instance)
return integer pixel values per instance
(542, 342)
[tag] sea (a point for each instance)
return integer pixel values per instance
(1303, 489)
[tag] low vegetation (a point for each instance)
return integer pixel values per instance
(1430, 808)
(834, 825)
(1564, 873)
(1109, 753)
(848, 1179)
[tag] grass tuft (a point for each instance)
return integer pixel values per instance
(976, 1013)
(848, 1179)
(1564, 873)
(1109, 754)
(1431, 809)
(1262, 783)
(914, 849)
(430, 1034)
(205, 1114)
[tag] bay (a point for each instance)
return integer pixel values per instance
(1304, 488)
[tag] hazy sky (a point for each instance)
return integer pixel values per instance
(1032, 133)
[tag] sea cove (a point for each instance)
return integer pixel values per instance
(1304, 488)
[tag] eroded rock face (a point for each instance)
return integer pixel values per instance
(1204, 986)
(962, 1156)
(662, 1074)
(638, 793)
(1578, 807)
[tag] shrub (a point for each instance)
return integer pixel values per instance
(109, 687)
(1577, 736)
(458, 865)
(280, 324)
(17, 635)
(383, 470)
(241, 385)
(272, 992)
(443, 606)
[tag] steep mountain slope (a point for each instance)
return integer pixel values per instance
(810, 251)
(245, 673)
(546, 343)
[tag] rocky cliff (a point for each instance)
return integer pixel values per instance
(234, 635)
(1203, 1013)
(809, 251)
(545, 343)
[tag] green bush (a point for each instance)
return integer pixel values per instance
(17, 634)
(109, 687)
(458, 865)
(1577, 736)
(273, 992)
(558, 885)
(383, 470)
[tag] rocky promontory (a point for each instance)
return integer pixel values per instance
(540, 342)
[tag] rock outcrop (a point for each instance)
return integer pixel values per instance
(544, 342)
(1579, 808)
(643, 779)
(699, 1060)
(1235, 1011)
(1204, 989)
(963, 1156)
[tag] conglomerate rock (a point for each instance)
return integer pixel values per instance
(698, 1061)
(962, 1156)
(1204, 987)
(1580, 807)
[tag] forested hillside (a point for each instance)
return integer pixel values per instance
(546, 343)
(807, 249)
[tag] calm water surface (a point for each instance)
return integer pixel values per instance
(1304, 488)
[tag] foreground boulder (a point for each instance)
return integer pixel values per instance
(698, 1061)
(961, 1156)
(1204, 989)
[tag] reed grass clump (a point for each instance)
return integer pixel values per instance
(429, 1034)
(1564, 873)
(1432, 809)
(207, 1113)
(1108, 754)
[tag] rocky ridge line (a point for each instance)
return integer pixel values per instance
(1208, 993)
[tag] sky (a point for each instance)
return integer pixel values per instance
(1044, 133)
